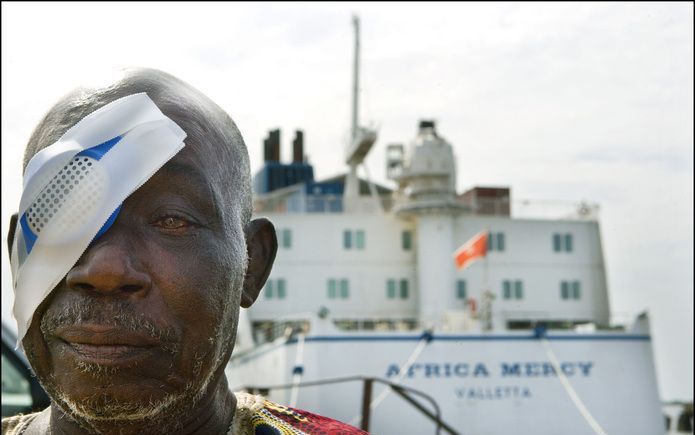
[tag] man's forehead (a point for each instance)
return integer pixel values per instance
(201, 160)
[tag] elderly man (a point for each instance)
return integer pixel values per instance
(128, 324)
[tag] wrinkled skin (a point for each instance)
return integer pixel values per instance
(176, 266)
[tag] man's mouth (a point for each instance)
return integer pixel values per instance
(105, 345)
(107, 354)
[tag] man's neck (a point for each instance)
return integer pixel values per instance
(213, 415)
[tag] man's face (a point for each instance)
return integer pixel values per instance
(147, 317)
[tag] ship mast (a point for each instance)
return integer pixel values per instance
(355, 80)
(361, 141)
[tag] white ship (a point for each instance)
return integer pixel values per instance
(364, 286)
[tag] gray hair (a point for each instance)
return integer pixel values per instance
(201, 119)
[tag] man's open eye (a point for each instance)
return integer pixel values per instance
(173, 223)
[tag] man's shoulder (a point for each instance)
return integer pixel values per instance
(259, 416)
(17, 424)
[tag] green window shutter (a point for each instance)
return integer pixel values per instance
(461, 289)
(518, 290)
(568, 242)
(344, 289)
(490, 242)
(557, 242)
(404, 289)
(359, 239)
(500, 242)
(506, 289)
(406, 240)
(269, 289)
(391, 289)
(575, 290)
(347, 239)
(331, 289)
(564, 290)
(281, 288)
(286, 238)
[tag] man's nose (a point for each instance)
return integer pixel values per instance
(108, 267)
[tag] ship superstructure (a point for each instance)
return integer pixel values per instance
(392, 268)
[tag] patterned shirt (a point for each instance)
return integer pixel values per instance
(254, 416)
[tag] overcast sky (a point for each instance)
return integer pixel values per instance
(563, 102)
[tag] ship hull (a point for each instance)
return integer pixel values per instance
(484, 383)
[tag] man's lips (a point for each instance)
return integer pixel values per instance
(105, 345)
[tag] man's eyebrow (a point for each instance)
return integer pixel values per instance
(183, 168)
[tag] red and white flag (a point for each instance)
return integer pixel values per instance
(470, 251)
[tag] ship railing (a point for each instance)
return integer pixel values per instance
(322, 203)
(269, 331)
(579, 321)
(292, 200)
(623, 319)
(406, 393)
(554, 209)
(532, 208)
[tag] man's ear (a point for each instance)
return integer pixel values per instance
(10, 232)
(261, 246)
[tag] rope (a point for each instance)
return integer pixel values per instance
(570, 391)
(298, 371)
(401, 374)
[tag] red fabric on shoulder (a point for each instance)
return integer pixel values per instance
(311, 423)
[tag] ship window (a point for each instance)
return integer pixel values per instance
(404, 289)
(331, 289)
(281, 288)
(391, 289)
(347, 239)
(570, 290)
(344, 289)
(562, 242)
(564, 290)
(461, 289)
(506, 289)
(500, 242)
(359, 239)
(495, 242)
(518, 289)
(406, 240)
(286, 238)
(269, 289)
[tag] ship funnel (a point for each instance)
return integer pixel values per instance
(298, 147)
(271, 146)
(426, 124)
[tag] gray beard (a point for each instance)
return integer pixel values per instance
(161, 416)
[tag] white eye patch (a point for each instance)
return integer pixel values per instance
(73, 190)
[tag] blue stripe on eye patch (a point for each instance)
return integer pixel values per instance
(95, 152)
(29, 236)
(98, 151)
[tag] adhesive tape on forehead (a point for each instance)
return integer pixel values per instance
(74, 188)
